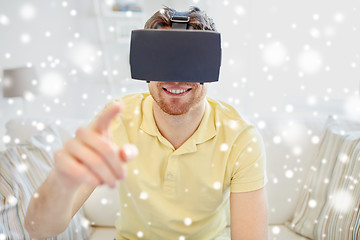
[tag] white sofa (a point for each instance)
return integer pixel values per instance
(291, 143)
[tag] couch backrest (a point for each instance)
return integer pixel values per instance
(291, 145)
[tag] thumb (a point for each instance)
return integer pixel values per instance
(128, 152)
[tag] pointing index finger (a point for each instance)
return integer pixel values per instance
(103, 122)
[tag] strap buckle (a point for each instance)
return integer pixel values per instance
(180, 20)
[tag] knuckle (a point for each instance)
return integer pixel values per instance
(58, 156)
(69, 143)
(87, 177)
(100, 168)
(80, 132)
(95, 181)
(122, 171)
(107, 150)
(98, 165)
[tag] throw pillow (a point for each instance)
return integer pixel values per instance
(22, 170)
(328, 207)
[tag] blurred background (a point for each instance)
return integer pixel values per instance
(280, 58)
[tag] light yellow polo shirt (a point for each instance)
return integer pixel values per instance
(182, 193)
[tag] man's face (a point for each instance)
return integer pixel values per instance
(177, 98)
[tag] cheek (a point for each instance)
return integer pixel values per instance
(203, 90)
(152, 88)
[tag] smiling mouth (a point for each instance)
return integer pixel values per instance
(177, 91)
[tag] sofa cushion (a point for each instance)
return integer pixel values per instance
(101, 233)
(281, 232)
(275, 232)
(22, 170)
(329, 203)
(103, 206)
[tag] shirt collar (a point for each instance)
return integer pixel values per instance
(205, 131)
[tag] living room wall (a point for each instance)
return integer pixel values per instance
(279, 57)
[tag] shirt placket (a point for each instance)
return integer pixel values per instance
(171, 175)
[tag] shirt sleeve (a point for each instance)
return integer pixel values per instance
(249, 166)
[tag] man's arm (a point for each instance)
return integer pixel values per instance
(53, 205)
(248, 212)
(86, 161)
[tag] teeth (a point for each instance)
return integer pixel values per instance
(176, 91)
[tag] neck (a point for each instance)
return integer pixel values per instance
(178, 128)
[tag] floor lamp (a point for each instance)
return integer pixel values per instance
(20, 83)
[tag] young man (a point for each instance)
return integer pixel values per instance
(192, 155)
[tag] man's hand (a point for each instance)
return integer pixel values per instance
(91, 157)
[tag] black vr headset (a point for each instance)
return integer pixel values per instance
(176, 54)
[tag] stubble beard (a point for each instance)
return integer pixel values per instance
(175, 107)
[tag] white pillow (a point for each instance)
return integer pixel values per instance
(103, 206)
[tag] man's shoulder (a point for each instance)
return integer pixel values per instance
(225, 111)
(235, 127)
(132, 102)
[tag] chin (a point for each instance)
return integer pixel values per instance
(175, 111)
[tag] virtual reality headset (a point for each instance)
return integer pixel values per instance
(176, 54)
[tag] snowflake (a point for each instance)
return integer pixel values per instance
(6, 139)
(339, 17)
(343, 157)
(51, 84)
(12, 200)
(50, 138)
(289, 108)
(187, 221)
(4, 20)
(140, 234)
(144, 195)
(2, 236)
(342, 201)
(297, 150)
(310, 61)
(277, 139)
(22, 167)
(275, 230)
(25, 38)
(275, 180)
(27, 12)
(217, 185)
(224, 147)
(274, 54)
(316, 16)
(73, 12)
(261, 124)
(315, 139)
(312, 203)
(240, 10)
(289, 174)
(104, 201)
(85, 223)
